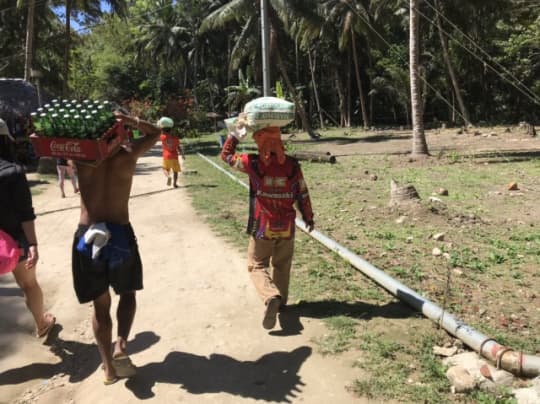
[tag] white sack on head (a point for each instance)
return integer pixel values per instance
(266, 112)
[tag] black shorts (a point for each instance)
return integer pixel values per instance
(92, 278)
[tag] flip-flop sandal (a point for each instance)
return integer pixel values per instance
(108, 382)
(44, 332)
(123, 366)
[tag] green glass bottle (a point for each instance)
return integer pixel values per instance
(36, 121)
(67, 124)
(89, 126)
(98, 126)
(78, 126)
(46, 123)
(56, 127)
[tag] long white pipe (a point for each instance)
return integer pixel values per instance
(504, 357)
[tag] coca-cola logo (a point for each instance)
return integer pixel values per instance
(65, 147)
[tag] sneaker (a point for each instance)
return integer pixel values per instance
(168, 181)
(270, 314)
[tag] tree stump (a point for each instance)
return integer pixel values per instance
(402, 194)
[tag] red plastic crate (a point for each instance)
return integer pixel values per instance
(80, 149)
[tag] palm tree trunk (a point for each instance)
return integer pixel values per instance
(29, 50)
(297, 99)
(298, 102)
(341, 98)
(358, 81)
(348, 93)
(370, 78)
(419, 144)
(312, 67)
(67, 49)
(446, 56)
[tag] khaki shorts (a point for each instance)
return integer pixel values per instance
(172, 165)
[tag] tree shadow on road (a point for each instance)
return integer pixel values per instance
(78, 359)
(273, 377)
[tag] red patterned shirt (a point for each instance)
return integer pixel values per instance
(275, 191)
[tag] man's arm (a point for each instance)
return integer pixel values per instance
(150, 130)
(25, 213)
(30, 234)
(303, 201)
(229, 155)
(181, 150)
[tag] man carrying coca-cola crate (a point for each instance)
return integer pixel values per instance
(105, 252)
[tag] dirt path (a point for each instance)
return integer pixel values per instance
(197, 335)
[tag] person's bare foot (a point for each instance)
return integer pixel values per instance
(110, 375)
(46, 326)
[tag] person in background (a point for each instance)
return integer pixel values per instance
(276, 186)
(105, 252)
(171, 149)
(64, 167)
(17, 219)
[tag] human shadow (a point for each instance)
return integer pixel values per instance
(78, 359)
(289, 317)
(272, 377)
(359, 310)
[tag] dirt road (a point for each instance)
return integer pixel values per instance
(197, 335)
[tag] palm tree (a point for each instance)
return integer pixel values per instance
(419, 145)
(163, 37)
(90, 10)
(238, 95)
(29, 47)
(451, 73)
(247, 12)
(349, 18)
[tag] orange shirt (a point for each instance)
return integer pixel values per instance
(170, 145)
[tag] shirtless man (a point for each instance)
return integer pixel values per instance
(105, 191)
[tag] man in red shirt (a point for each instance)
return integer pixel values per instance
(277, 186)
(171, 149)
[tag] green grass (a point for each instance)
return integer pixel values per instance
(491, 239)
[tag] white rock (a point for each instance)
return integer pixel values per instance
(401, 219)
(436, 252)
(527, 396)
(441, 351)
(461, 379)
(438, 236)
